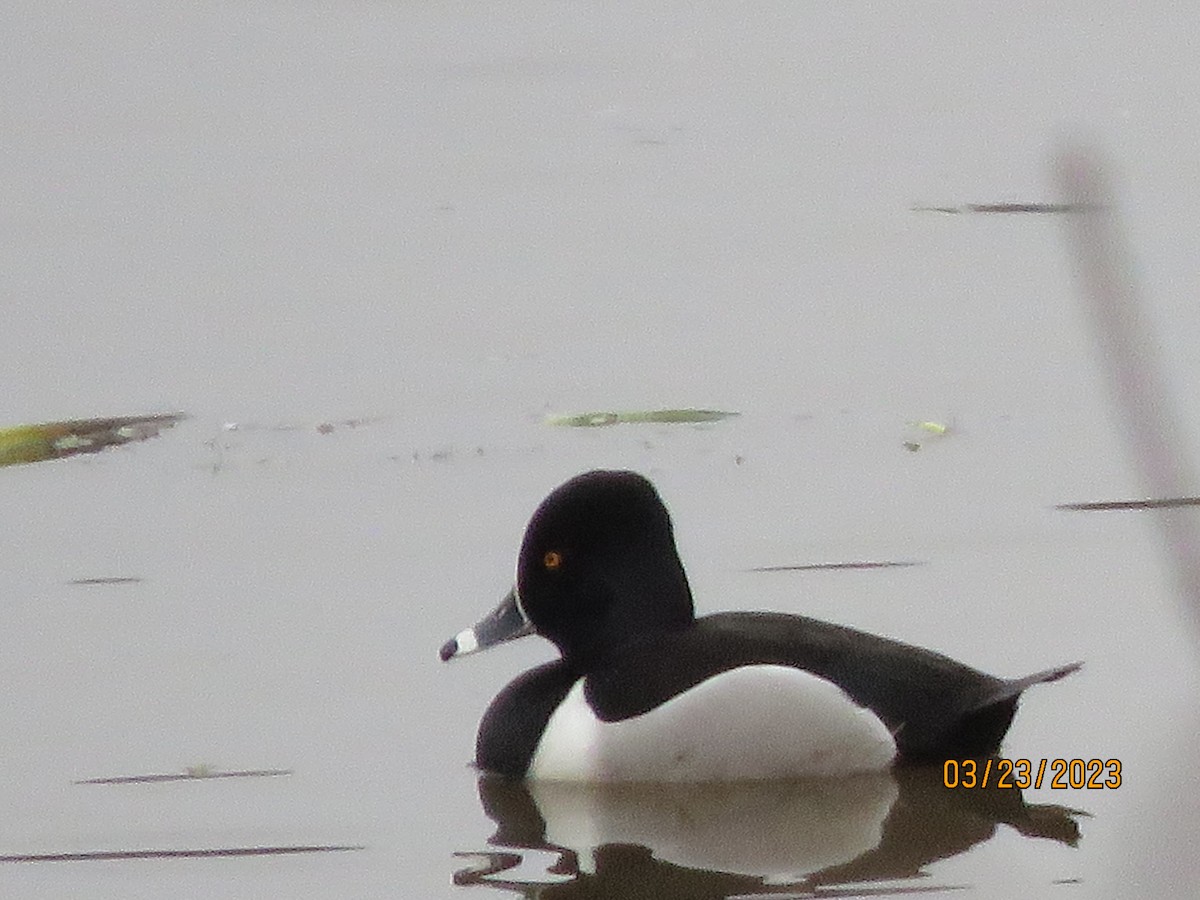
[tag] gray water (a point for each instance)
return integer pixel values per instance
(427, 226)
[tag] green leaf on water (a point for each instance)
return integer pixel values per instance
(54, 440)
(668, 416)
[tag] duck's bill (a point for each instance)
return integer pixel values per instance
(506, 622)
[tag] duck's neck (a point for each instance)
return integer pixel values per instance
(632, 603)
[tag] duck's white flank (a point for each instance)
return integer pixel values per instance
(755, 722)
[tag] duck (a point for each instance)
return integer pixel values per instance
(644, 690)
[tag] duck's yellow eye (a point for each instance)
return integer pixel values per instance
(552, 560)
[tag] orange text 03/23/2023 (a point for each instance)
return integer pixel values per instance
(1059, 774)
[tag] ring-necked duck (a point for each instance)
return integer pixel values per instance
(645, 691)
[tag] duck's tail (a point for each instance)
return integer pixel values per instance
(1020, 684)
(981, 730)
(1009, 690)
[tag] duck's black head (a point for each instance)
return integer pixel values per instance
(598, 565)
(597, 568)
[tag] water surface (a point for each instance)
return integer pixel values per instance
(369, 246)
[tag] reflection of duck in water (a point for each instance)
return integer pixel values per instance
(645, 691)
(713, 840)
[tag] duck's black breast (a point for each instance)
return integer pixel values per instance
(513, 724)
(934, 706)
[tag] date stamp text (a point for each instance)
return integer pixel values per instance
(1059, 774)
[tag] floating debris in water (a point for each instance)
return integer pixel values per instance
(932, 427)
(440, 454)
(204, 852)
(1164, 503)
(326, 427)
(118, 579)
(662, 416)
(191, 773)
(54, 440)
(929, 429)
(864, 564)
(1011, 208)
